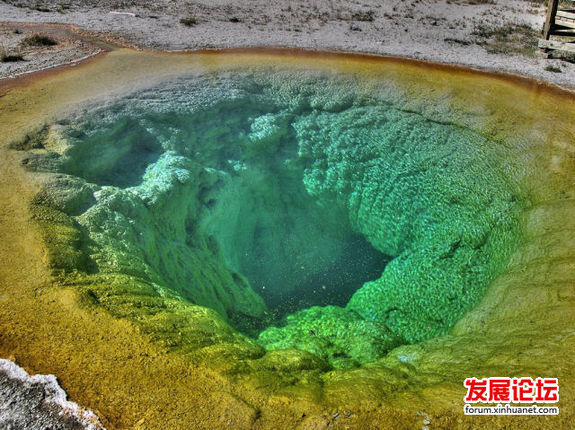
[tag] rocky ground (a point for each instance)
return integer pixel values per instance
(497, 35)
(29, 48)
(38, 402)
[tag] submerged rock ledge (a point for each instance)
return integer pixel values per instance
(161, 194)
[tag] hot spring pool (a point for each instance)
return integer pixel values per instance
(340, 233)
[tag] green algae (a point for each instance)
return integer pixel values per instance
(201, 190)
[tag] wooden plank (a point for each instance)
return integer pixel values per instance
(567, 32)
(550, 20)
(554, 44)
(568, 14)
(565, 18)
(568, 24)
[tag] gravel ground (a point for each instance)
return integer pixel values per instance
(68, 49)
(38, 403)
(498, 36)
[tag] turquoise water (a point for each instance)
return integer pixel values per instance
(307, 211)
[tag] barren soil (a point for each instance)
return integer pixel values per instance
(498, 35)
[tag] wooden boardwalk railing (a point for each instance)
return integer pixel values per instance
(559, 22)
